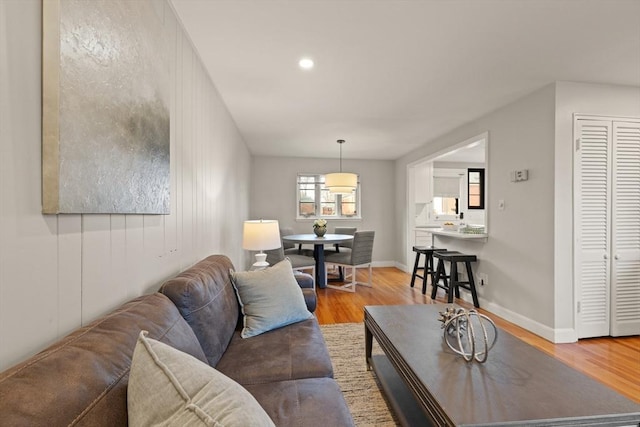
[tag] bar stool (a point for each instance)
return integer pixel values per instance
(451, 283)
(428, 265)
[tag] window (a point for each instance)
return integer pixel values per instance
(475, 188)
(315, 200)
(446, 193)
(445, 206)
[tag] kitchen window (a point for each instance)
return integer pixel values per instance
(315, 201)
(446, 194)
(475, 188)
(443, 206)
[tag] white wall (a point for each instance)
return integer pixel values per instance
(518, 255)
(273, 196)
(60, 272)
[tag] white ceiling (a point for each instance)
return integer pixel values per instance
(392, 75)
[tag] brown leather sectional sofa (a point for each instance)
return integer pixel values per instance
(82, 379)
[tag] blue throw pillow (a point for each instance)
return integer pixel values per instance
(270, 298)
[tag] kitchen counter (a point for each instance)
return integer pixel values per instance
(457, 234)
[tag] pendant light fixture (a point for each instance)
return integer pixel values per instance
(341, 182)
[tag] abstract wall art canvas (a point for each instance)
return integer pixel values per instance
(106, 139)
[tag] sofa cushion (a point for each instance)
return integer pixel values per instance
(82, 379)
(307, 402)
(296, 351)
(206, 299)
(169, 387)
(270, 298)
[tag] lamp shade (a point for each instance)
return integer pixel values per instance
(260, 235)
(341, 182)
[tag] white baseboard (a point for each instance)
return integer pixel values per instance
(402, 267)
(384, 264)
(556, 336)
(565, 335)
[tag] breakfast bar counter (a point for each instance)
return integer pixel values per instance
(457, 234)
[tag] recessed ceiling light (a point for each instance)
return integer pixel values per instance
(306, 63)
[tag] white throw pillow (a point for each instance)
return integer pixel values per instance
(270, 298)
(171, 388)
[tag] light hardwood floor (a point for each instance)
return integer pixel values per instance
(614, 362)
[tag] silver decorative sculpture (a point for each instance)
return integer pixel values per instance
(461, 329)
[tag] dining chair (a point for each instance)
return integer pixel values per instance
(343, 245)
(344, 230)
(298, 262)
(286, 231)
(359, 256)
(292, 248)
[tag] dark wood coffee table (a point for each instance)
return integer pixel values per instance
(428, 384)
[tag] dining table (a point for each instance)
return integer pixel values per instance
(318, 243)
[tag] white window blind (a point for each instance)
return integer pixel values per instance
(446, 186)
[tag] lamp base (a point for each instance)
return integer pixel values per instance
(261, 260)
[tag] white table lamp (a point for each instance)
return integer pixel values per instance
(261, 235)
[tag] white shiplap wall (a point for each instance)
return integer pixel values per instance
(60, 272)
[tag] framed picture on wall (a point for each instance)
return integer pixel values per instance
(106, 139)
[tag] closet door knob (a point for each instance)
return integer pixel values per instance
(616, 256)
(605, 256)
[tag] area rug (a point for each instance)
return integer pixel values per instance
(361, 390)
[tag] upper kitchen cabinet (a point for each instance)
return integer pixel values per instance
(423, 177)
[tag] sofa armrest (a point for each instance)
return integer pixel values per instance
(306, 283)
(310, 299)
(304, 280)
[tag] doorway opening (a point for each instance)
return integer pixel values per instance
(438, 190)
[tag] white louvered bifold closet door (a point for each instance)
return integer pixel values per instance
(625, 229)
(592, 225)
